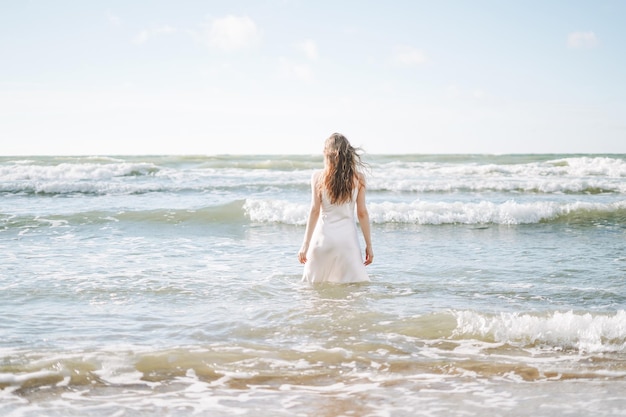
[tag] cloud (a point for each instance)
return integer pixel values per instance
(232, 32)
(408, 56)
(113, 19)
(294, 71)
(309, 47)
(145, 35)
(291, 70)
(582, 40)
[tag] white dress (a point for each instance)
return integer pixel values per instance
(334, 253)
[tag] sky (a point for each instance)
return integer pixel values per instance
(279, 76)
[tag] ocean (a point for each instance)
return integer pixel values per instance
(170, 286)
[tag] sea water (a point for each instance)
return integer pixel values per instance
(170, 286)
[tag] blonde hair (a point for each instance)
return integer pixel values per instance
(342, 168)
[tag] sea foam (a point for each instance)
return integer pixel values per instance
(100, 176)
(65, 171)
(585, 332)
(436, 213)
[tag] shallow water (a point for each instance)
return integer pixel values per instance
(170, 286)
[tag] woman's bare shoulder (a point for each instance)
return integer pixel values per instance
(317, 178)
(316, 175)
(361, 179)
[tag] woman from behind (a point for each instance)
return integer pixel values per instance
(330, 250)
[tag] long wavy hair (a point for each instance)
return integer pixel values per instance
(342, 165)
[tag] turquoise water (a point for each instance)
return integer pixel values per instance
(169, 285)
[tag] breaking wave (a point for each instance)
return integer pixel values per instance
(584, 332)
(404, 174)
(291, 213)
(436, 213)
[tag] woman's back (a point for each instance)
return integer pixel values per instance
(330, 251)
(334, 254)
(334, 212)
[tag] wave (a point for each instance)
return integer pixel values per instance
(404, 182)
(584, 175)
(119, 188)
(72, 171)
(290, 213)
(398, 184)
(558, 331)
(507, 165)
(579, 331)
(229, 213)
(486, 212)
(586, 166)
(98, 177)
(438, 213)
(412, 174)
(534, 346)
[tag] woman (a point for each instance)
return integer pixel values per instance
(330, 251)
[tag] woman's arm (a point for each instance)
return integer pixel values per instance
(364, 220)
(314, 213)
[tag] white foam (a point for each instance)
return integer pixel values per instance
(598, 166)
(275, 211)
(105, 176)
(13, 379)
(508, 213)
(570, 175)
(67, 171)
(585, 332)
(66, 178)
(435, 213)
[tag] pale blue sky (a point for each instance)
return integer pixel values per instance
(278, 76)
